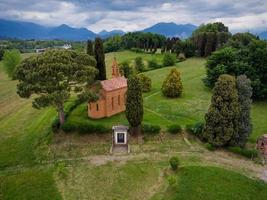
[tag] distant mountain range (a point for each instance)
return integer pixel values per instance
(28, 30)
(172, 29)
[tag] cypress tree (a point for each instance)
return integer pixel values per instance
(100, 59)
(134, 104)
(172, 86)
(90, 48)
(244, 121)
(223, 114)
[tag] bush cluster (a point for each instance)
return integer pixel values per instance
(145, 82)
(153, 64)
(139, 64)
(174, 162)
(174, 129)
(150, 129)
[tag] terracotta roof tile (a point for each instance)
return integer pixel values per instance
(114, 83)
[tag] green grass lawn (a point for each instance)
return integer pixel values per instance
(188, 109)
(197, 183)
(29, 185)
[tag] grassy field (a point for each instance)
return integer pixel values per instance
(212, 183)
(188, 109)
(29, 153)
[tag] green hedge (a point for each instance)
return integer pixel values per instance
(149, 129)
(249, 153)
(174, 129)
(84, 127)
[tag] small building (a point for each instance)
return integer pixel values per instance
(262, 145)
(120, 139)
(112, 96)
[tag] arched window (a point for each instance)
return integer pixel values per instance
(97, 108)
(119, 100)
(112, 103)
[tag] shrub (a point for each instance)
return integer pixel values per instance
(150, 129)
(137, 50)
(172, 86)
(153, 64)
(174, 129)
(210, 147)
(169, 59)
(174, 162)
(145, 82)
(249, 153)
(195, 129)
(84, 127)
(139, 64)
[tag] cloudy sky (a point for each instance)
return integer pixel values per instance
(131, 15)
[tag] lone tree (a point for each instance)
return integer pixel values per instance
(145, 82)
(172, 86)
(10, 60)
(53, 76)
(100, 59)
(134, 104)
(223, 114)
(244, 121)
(139, 64)
(90, 48)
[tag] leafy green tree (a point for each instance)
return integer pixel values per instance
(145, 82)
(10, 60)
(172, 86)
(125, 69)
(113, 43)
(185, 47)
(223, 114)
(209, 37)
(139, 64)
(52, 76)
(169, 59)
(244, 121)
(134, 104)
(90, 48)
(100, 59)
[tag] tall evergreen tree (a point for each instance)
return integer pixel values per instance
(244, 121)
(172, 86)
(90, 48)
(134, 104)
(223, 114)
(100, 59)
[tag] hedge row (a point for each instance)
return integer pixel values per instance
(84, 127)
(150, 129)
(249, 153)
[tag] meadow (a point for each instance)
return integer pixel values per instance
(159, 110)
(36, 164)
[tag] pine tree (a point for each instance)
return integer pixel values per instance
(172, 86)
(223, 114)
(134, 104)
(244, 122)
(100, 59)
(90, 48)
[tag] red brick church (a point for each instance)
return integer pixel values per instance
(112, 96)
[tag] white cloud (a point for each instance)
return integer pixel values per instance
(131, 15)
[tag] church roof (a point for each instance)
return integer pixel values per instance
(114, 83)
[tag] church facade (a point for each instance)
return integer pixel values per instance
(112, 96)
